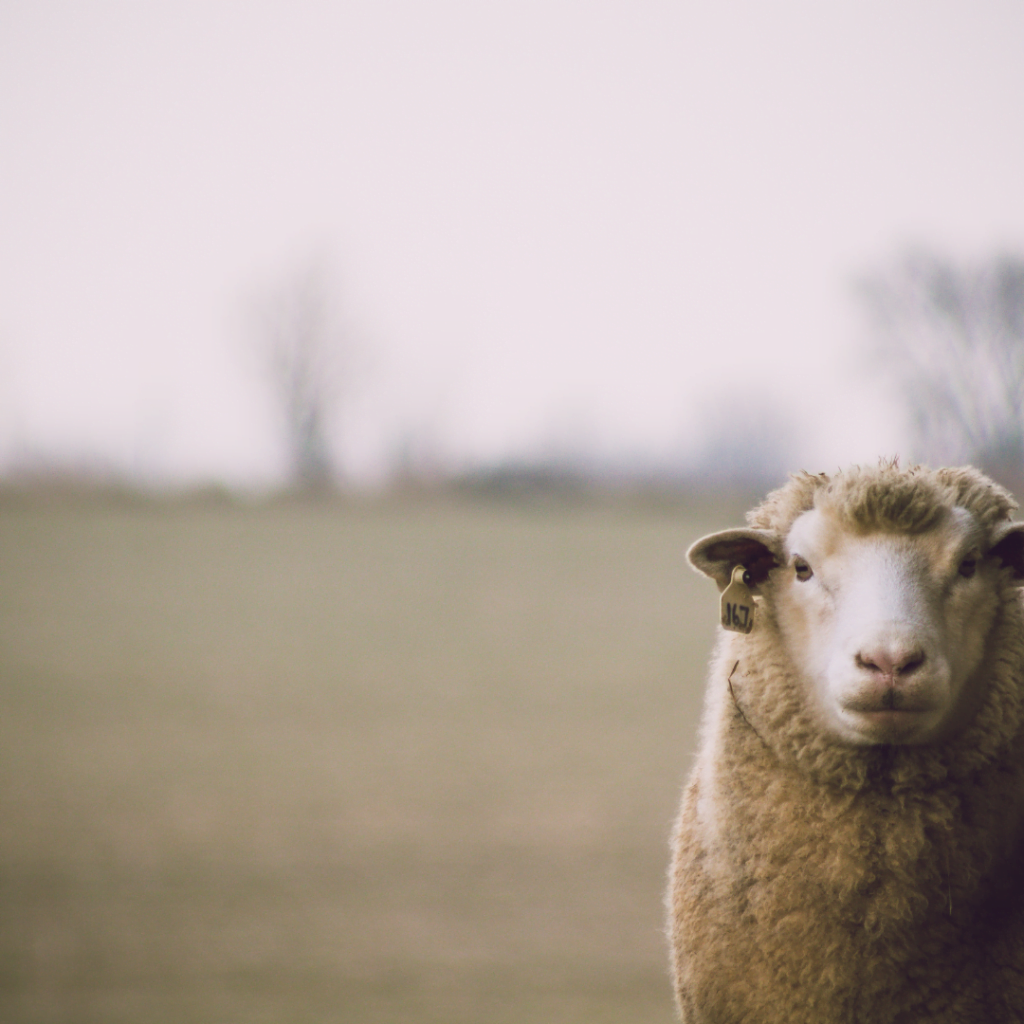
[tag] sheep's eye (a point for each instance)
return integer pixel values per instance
(968, 567)
(803, 570)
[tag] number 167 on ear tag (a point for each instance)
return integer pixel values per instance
(738, 603)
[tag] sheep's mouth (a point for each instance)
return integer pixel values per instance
(890, 725)
(890, 714)
(892, 701)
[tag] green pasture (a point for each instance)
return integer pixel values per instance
(364, 761)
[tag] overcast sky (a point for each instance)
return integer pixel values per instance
(581, 225)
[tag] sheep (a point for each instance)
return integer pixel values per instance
(850, 846)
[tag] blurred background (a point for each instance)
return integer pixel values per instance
(365, 371)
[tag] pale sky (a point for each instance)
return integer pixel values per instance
(592, 226)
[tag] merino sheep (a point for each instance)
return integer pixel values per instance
(850, 846)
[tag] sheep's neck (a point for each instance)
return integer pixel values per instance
(874, 859)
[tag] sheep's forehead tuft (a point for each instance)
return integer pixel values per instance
(912, 500)
(887, 500)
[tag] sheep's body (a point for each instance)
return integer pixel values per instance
(818, 879)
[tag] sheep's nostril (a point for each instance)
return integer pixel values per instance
(913, 662)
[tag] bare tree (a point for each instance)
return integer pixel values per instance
(303, 348)
(952, 337)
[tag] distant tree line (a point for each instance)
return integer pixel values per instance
(949, 335)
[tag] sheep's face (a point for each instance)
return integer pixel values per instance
(885, 627)
(887, 630)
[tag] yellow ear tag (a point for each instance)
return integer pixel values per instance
(738, 603)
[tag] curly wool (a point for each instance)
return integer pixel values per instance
(866, 499)
(814, 881)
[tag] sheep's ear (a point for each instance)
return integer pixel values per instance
(719, 553)
(1009, 549)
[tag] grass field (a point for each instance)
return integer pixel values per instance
(366, 762)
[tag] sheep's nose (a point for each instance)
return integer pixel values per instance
(891, 662)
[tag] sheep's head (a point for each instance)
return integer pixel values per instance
(884, 587)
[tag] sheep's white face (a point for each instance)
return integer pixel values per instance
(887, 628)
